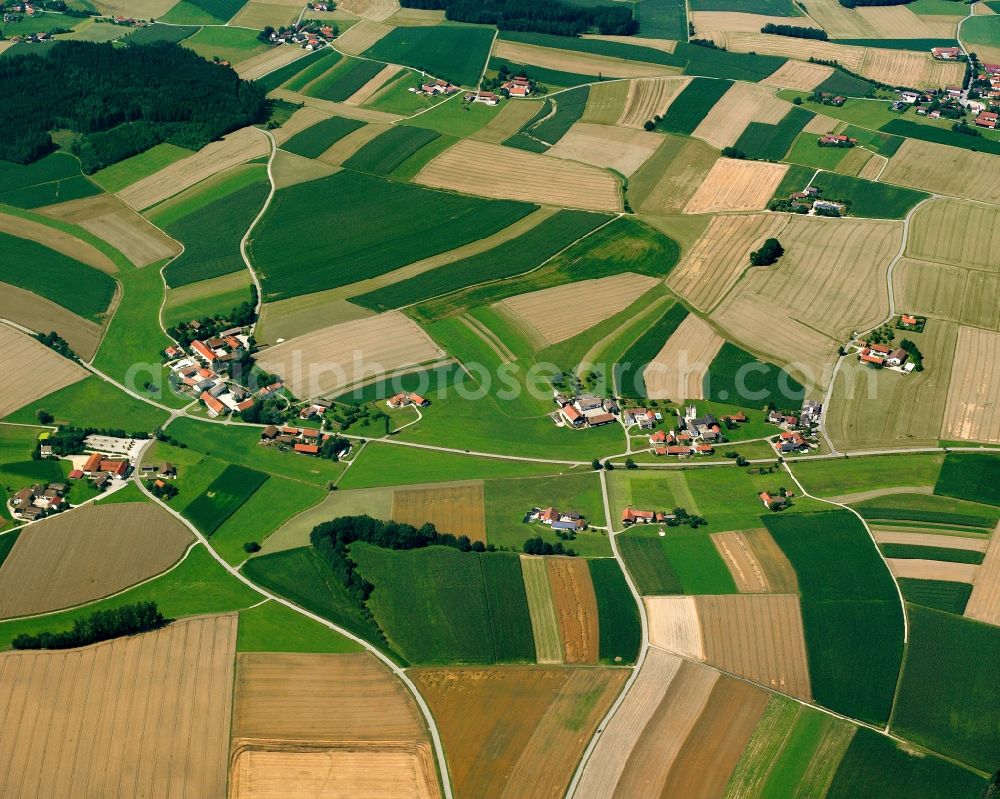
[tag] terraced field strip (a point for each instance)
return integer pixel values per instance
(984, 603)
(365, 93)
(734, 185)
(674, 625)
(544, 624)
(971, 412)
(96, 715)
(49, 372)
(883, 536)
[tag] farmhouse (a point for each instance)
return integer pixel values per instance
(772, 501)
(214, 406)
(946, 53)
(403, 399)
(487, 98)
(836, 140)
(632, 516)
(38, 501)
(641, 416)
(558, 520)
(518, 87)
(987, 119)
(438, 86)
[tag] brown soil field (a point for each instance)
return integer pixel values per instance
(516, 732)
(759, 637)
(907, 68)
(756, 562)
(607, 761)
(561, 312)
(715, 745)
(542, 610)
(730, 21)
(242, 145)
(742, 104)
(335, 109)
(956, 232)
(967, 296)
(373, 86)
(679, 368)
(657, 751)
(49, 372)
(621, 149)
(268, 61)
(840, 22)
(849, 56)
(933, 570)
(510, 120)
(972, 413)
(289, 169)
(375, 771)
(930, 540)
(898, 22)
(674, 625)
(649, 97)
(90, 553)
(362, 35)
(945, 170)
(146, 715)
(344, 148)
(57, 240)
(29, 310)
(734, 185)
(799, 75)
(491, 170)
(333, 357)
(984, 604)
(777, 568)
(670, 178)
(455, 508)
(110, 219)
(577, 62)
(576, 608)
(300, 119)
(605, 102)
(299, 697)
(375, 10)
(873, 167)
(721, 255)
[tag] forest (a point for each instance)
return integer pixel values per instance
(540, 16)
(120, 100)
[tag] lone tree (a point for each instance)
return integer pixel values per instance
(769, 252)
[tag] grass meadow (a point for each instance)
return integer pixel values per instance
(95, 403)
(272, 627)
(317, 139)
(346, 77)
(970, 476)
(772, 386)
(456, 53)
(850, 475)
(384, 153)
(692, 105)
(124, 173)
(223, 497)
(937, 594)
(768, 142)
(647, 562)
(620, 631)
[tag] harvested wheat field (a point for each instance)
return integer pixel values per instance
(561, 312)
(256, 14)
(417, 17)
(759, 637)
(872, 170)
(331, 108)
(732, 21)
(373, 86)
(756, 562)
(455, 508)
(375, 10)
(146, 715)
(490, 170)
(242, 145)
(621, 149)
(90, 553)
(742, 104)
(274, 58)
(679, 368)
(967, 296)
(577, 62)
(29, 310)
(917, 569)
(674, 626)
(984, 603)
(605, 102)
(345, 147)
(945, 170)
(576, 608)
(850, 56)
(902, 536)
(907, 68)
(110, 219)
(289, 169)
(841, 22)
(971, 413)
(666, 45)
(649, 97)
(956, 232)
(734, 185)
(57, 240)
(821, 124)
(721, 255)
(50, 372)
(541, 608)
(338, 356)
(857, 159)
(799, 75)
(516, 732)
(898, 22)
(670, 178)
(375, 771)
(512, 117)
(362, 35)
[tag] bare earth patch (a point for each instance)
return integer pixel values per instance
(971, 412)
(576, 608)
(49, 372)
(679, 368)
(742, 104)
(42, 315)
(455, 508)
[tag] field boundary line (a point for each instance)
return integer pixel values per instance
(246, 236)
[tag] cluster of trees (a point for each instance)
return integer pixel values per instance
(537, 546)
(788, 205)
(360, 415)
(269, 411)
(56, 342)
(681, 516)
(165, 491)
(539, 16)
(882, 335)
(101, 625)
(916, 356)
(769, 252)
(968, 130)
(242, 315)
(68, 440)
(795, 31)
(733, 152)
(120, 100)
(333, 446)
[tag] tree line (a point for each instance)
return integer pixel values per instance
(102, 625)
(119, 100)
(866, 3)
(538, 16)
(795, 31)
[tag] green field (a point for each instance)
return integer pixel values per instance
(344, 79)
(198, 585)
(773, 8)
(770, 142)
(929, 508)
(937, 594)
(981, 30)
(620, 631)
(387, 151)
(455, 53)
(160, 33)
(436, 604)
(735, 377)
(48, 180)
(7, 542)
(284, 74)
(946, 554)
(806, 150)
(916, 130)
(65, 281)
(223, 497)
(426, 382)
(203, 12)
(391, 224)
(228, 44)
(970, 476)
(317, 139)
(272, 627)
(850, 475)
(946, 701)
(692, 105)
(569, 107)
(662, 19)
(629, 370)
(850, 609)
(307, 70)
(648, 564)
(455, 117)
(206, 298)
(508, 259)
(124, 173)
(868, 199)
(211, 235)
(875, 767)
(547, 77)
(395, 96)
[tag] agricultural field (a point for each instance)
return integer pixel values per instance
(678, 370)
(620, 149)
(983, 603)
(223, 497)
(945, 170)
(455, 508)
(55, 178)
(970, 411)
(735, 185)
(756, 562)
(52, 372)
(741, 105)
(669, 179)
(453, 53)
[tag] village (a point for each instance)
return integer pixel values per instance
(307, 34)
(305, 441)
(877, 350)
